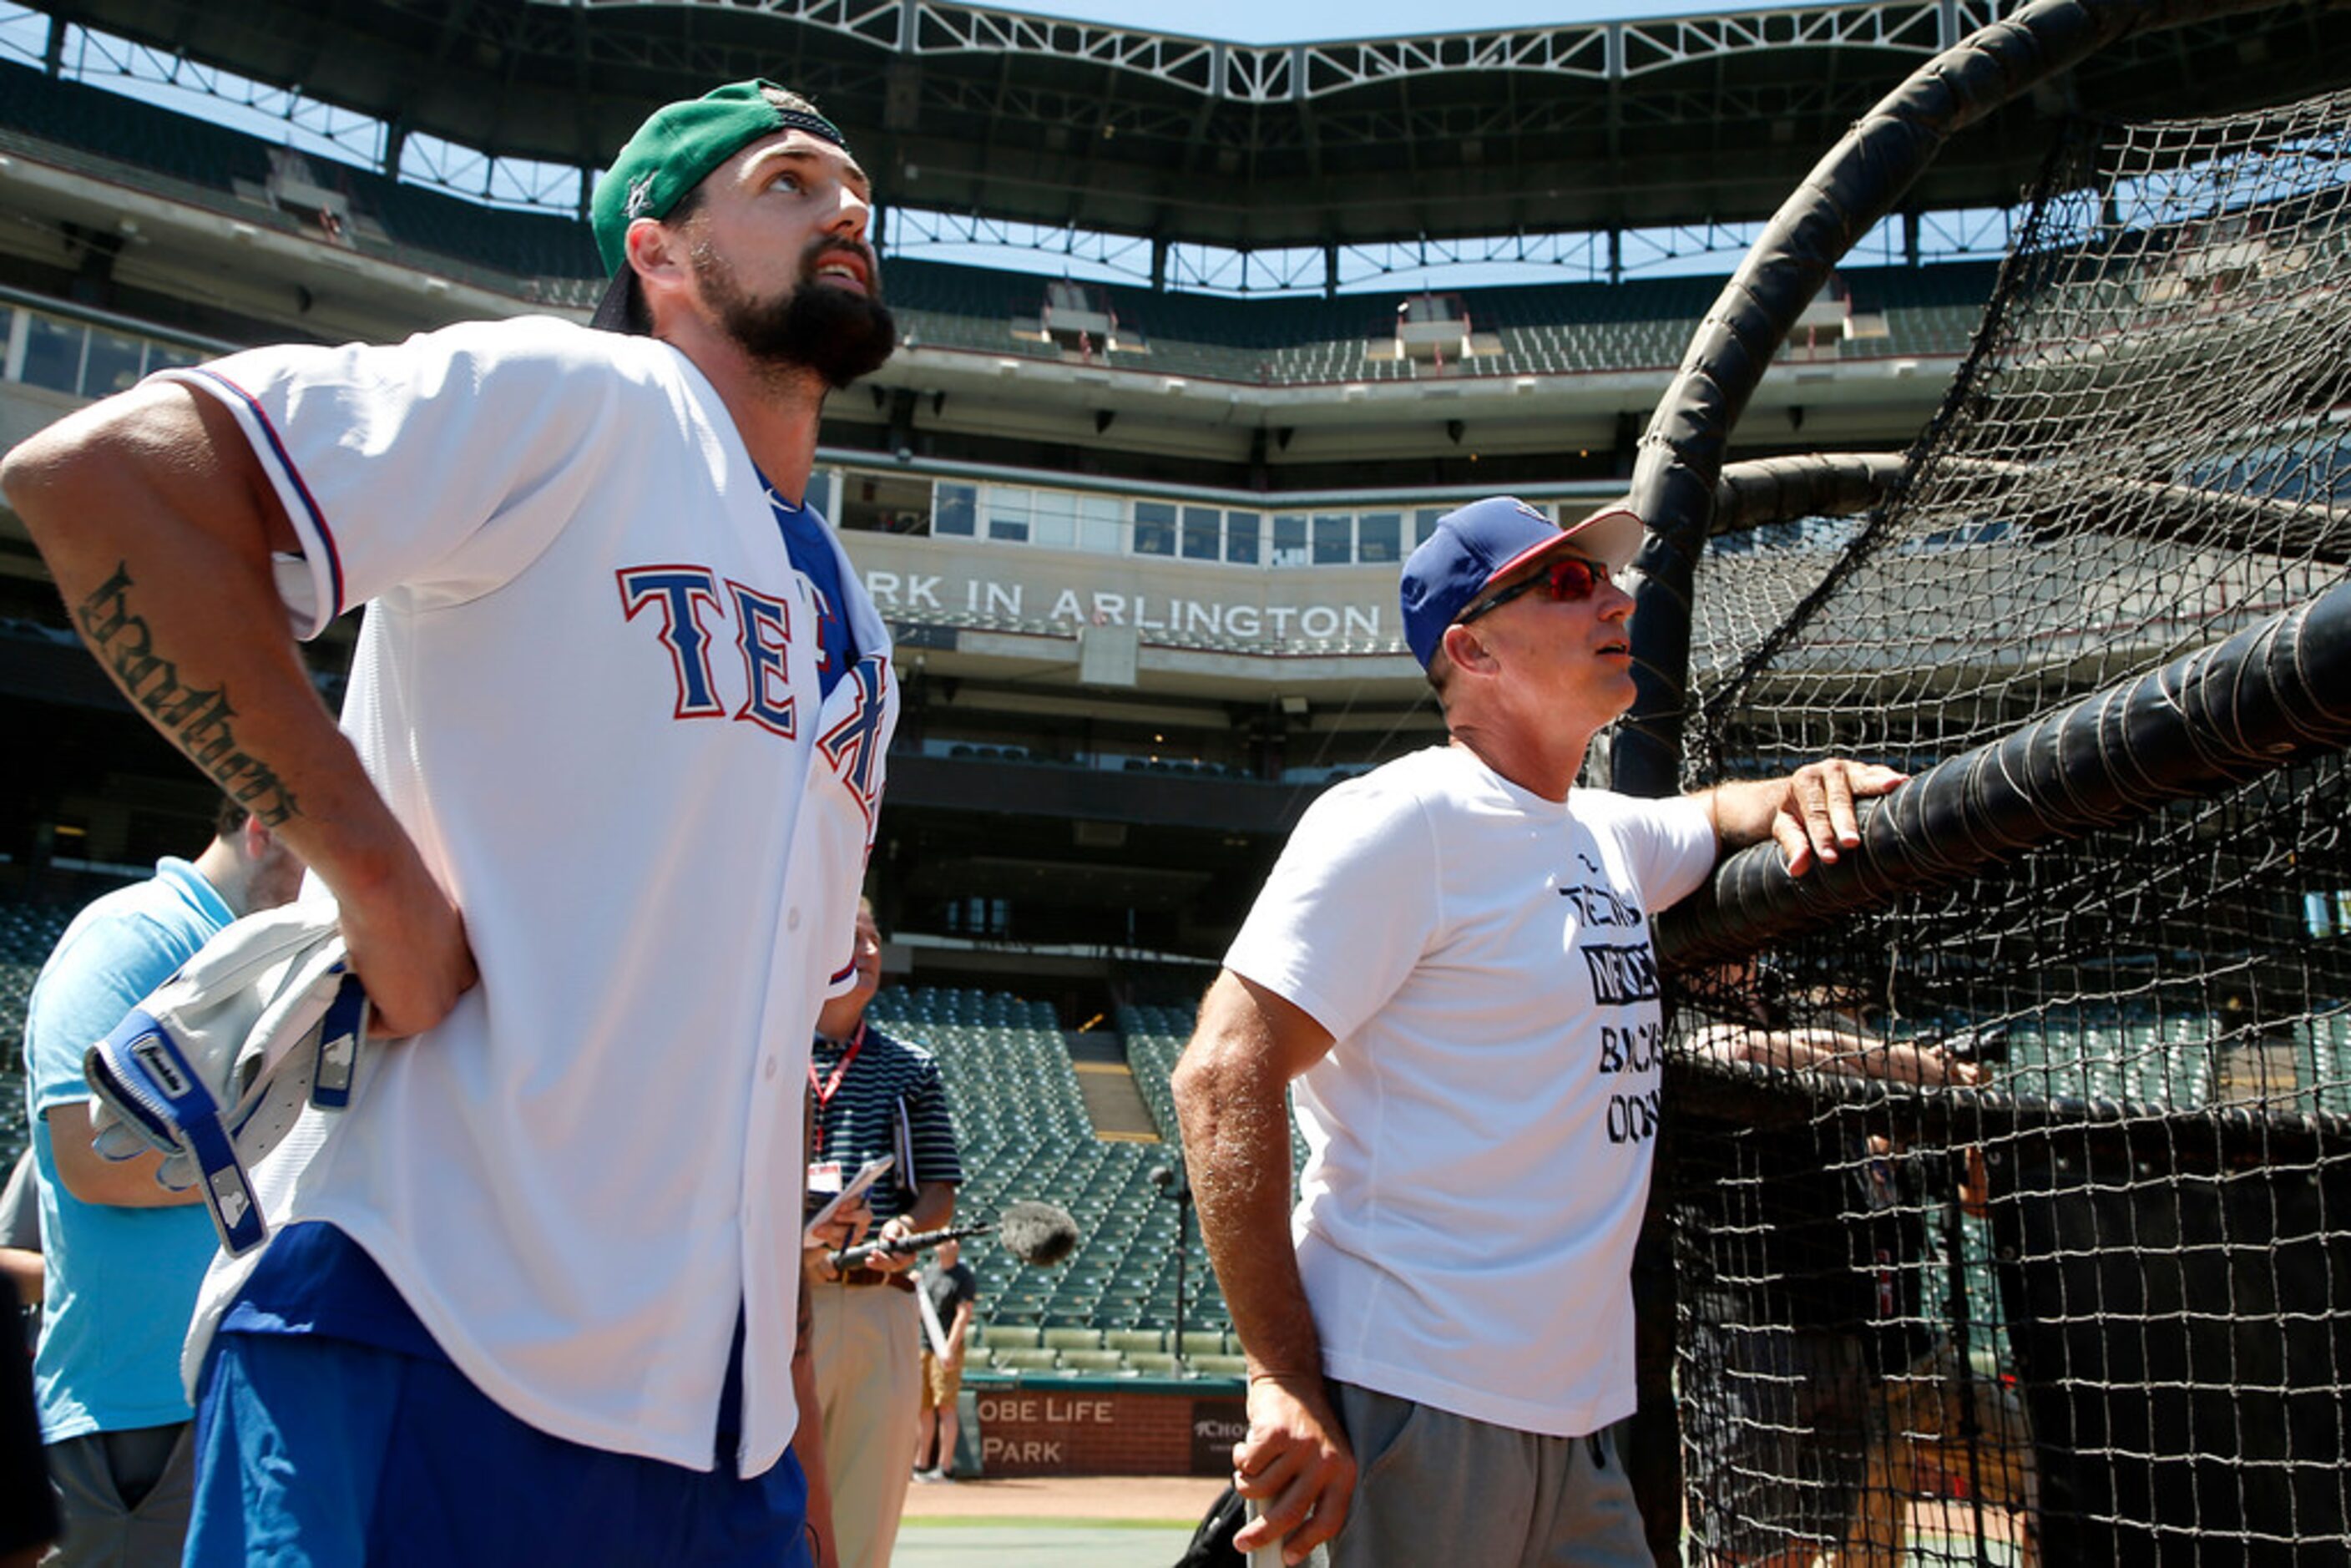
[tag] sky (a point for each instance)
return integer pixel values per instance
(1317, 20)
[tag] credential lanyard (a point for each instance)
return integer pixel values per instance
(825, 1089)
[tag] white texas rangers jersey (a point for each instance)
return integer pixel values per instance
(587, 685)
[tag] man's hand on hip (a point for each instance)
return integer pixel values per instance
(409, 950)
(1294, 1463)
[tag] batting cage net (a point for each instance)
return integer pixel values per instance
(2013, 1218)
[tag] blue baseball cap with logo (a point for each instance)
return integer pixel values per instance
(1487, 540)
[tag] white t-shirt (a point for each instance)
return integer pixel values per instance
(587, 685)
(1478, 1138)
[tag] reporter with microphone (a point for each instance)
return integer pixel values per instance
(870, 1097)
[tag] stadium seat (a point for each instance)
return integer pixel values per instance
(1135, 1342)
(1021, 1122)
(1014, 1307)
(1007, 1336)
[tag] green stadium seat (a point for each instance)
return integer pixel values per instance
(1016, 1306)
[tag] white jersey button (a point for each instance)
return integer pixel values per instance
(792, 920)
(769, 1070)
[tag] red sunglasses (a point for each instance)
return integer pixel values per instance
(1565, 580)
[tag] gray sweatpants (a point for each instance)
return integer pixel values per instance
(1435, 1488)
(99, 1475)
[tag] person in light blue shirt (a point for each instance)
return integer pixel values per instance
(122, 1256)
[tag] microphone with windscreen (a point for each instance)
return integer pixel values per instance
(1039, 1234)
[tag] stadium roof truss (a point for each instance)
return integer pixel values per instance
(1279, 73)
(1061, 124)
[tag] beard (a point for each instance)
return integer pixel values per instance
(835, 333)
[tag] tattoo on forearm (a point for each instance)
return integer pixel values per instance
(195, 717)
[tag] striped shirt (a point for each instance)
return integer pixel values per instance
(889, 1101)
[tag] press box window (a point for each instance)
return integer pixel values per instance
(1333, 539)
(1201, 526)
(1155, 527)
(1100, 528)
(952, 508)
(1240, 537)
(52, 354)
(1007, 514)
(1054, 516)
(1289, 541)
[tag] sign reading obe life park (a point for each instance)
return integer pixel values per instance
(1106, 1426)
(1063, 592)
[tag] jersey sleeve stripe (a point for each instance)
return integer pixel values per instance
(257, 419)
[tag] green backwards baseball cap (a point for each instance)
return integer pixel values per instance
(672, 153)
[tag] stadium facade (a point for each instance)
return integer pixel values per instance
(1138, 542)
(1136, 518)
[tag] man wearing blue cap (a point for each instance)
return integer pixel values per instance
(1450, 965)
(613, 749)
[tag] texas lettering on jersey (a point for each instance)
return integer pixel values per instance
(685, 599)
(851, 748)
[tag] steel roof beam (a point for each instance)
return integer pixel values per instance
(1281, 73)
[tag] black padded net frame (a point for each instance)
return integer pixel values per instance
(2085, 1296)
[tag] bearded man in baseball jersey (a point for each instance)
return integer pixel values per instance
(1451, 960)
(613, 750)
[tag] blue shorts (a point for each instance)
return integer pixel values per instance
(315, 1452)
